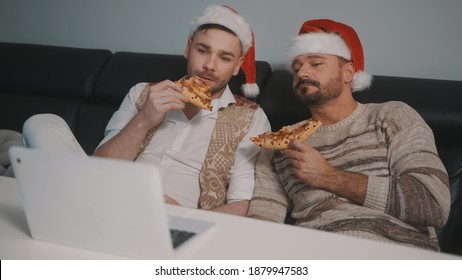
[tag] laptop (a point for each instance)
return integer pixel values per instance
(102, 204)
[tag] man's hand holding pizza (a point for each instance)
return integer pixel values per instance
(163, 97)
(308, 164)
(312, 168)
(167, 95)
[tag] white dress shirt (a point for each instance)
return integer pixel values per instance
(179, 146)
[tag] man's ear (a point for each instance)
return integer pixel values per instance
(187, 49)
(349, 71)
(238, 66)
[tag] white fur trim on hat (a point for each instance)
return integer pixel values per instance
(224, 16)
(325, 43)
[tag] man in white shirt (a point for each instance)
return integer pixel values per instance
(182, 131)
(205, 157)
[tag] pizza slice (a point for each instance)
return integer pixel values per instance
(197, 91)
(280, 139)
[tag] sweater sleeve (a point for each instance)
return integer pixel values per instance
(269, 201)
(417, 190)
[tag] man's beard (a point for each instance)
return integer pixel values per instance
(324, 94)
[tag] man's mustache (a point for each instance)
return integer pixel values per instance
(207, 75)
(306, 81)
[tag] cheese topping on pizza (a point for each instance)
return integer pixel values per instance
(197, 91)
(280, 139)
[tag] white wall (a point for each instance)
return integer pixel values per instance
(411, 38)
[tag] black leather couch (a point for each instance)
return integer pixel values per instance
(85, 86)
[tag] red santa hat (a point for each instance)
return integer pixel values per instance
(229, 18)
(330, 37)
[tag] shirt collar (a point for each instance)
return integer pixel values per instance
(225, 99)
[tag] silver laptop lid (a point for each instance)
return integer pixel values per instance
(103, 204)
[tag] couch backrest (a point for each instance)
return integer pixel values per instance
(125, 69)
(46, 79)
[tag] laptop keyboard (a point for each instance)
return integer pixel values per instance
(180, 236)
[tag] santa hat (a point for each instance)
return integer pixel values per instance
(330, 37)
(229, 18)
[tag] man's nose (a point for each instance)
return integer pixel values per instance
(305, 71)
(210, 63)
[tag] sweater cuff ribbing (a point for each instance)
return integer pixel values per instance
(377, 193)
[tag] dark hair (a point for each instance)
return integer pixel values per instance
(343, 60)
(207, 26)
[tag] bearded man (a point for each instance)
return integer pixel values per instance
(370, 170)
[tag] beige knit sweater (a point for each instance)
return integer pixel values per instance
(408, 187)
